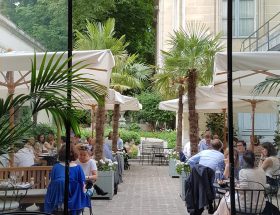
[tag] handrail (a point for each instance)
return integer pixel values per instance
(265, 37)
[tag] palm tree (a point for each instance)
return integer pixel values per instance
(48, 89)
(127, 74)
(101, 36)
(187, 63)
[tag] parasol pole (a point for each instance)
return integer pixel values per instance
(253, 105)
(225, 129)
(93, 107)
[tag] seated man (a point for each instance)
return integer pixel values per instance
(25, 157)
(211, 158)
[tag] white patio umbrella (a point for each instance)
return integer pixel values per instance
(15, 68)
(126, 103)
(208, 101)
(249, 69)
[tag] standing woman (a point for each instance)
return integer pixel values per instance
(55, 193)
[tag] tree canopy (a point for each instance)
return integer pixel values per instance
(46, 21)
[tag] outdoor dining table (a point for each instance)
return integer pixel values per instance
(11, 194)
(50, 158)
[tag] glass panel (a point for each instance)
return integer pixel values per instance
(247, 9)
(224, 18)
(246, 27)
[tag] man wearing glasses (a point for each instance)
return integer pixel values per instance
(241, 148)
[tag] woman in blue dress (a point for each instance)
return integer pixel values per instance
(55, 193)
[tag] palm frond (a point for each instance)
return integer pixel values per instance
(271, 84)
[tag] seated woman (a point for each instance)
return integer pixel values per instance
(55, 193)
(269, 160)
(246, 175)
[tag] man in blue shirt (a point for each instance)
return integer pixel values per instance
(205, 143)
(211, 158)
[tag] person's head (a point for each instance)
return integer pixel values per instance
(215, 136)
(62, 153)
(63, 139)
(30, 141)
(84, 153)
(268, 149)
(41, 138)
(51, 136)
(216, 144)
(110, 135)
(207, 137)
(241, 146)
(249, 159)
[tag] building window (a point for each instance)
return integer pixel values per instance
(244, 17)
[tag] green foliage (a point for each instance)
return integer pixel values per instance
(106, 165)
(215, 122)
(182, 167)
(128, 136)
(173, 154)
(84, 117)
(133, 127)
(48, 87)
(169, 136)
(44, 20)
(43, 128)
(150, 112)
(277, 139)
(133, 152)
(141, 33)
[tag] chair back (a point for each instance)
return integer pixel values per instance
(10, 196)
(249, 198)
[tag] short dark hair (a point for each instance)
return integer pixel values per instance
(243, 142)
(73, 153)
(249, 159)
(216, 144)
(271, 151)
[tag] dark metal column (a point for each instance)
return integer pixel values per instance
(68, 125)
(230, 109)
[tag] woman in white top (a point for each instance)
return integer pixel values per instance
(88, 165)
(269, 160)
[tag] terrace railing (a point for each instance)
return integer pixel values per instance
(266, 38)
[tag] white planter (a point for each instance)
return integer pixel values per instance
(172, 168)
(183, 178)
(105, 181)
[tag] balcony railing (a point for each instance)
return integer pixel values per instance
(266, 38)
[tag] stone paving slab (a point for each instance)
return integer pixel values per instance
(146, 190)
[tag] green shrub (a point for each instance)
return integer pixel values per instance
(133, 151)
(128, 136)
(168, 136)
(133, 127)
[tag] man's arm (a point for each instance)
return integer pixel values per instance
(194, 160)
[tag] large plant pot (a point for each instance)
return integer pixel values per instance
(183, 178)
(172, 169)
(105, 181)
